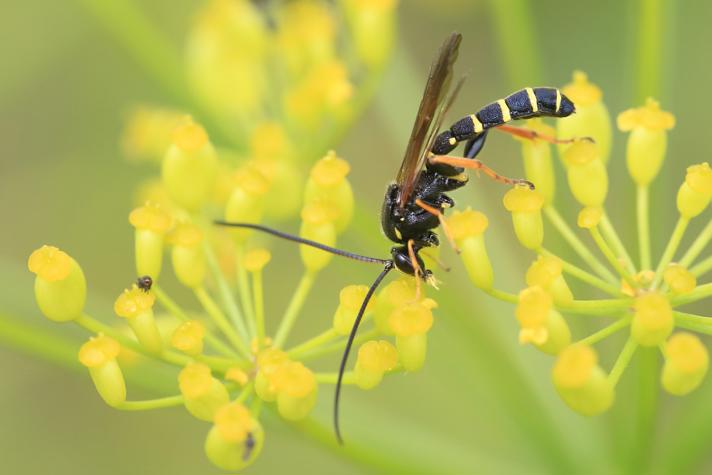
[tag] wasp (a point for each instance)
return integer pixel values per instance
(415, 204)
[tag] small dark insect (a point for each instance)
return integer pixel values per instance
(145, 282)
(415, 203)
(249, 446)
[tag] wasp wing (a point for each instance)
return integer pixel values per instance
(435, 91)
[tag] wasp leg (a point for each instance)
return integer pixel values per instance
(441, 217)
(416, 266)
(436, 259)
(476, 164)
(530, 134)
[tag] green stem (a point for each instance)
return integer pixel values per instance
(331, 378)
(605, 332)
(258, 294)
(611, 256)
(609, 232)
(338, 346)
(693, 322)
(175, 310)
(647, 399)
(700, 292)
(578, 246)
(603, 307)
(295, 305)
(697, 246)
(702, 267)
(221, 320)
(502, 295)
(650, 44)
(583, 275)
(622, 361)
(159, 403)
(95, 326)
(226, 295)
(313, 343)
(643, 227)
(243, 285)
(670, 249)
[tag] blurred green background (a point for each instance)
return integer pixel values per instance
(482, 404)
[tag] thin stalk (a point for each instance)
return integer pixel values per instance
(642, 205)
(609, 232)
(295, 305)
(693, 322)
(584, 275)
(702, 267)
(330, 378)
(670, 249)
(258, 298)
(149, 404)
(338, 346)
(175, 310)
(502, 295)
(578, 246)
(243, 286)
(700, 292)
(611, 256)
(697, 246)
(313, 343)
(605, 332)
(221, 320)
(602, 307)
(622, 361)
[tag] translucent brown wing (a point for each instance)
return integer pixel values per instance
(435, 90)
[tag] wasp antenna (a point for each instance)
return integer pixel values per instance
(345, 357)
(306, 242)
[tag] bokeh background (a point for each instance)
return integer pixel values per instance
(482, 404)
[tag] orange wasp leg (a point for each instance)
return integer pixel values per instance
(443, 223)
(474, 164)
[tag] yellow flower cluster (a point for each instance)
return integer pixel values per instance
(643, 298)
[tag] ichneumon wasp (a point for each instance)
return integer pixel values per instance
(415, 203)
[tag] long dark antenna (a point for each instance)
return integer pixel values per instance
(388, 267)
(307, 242)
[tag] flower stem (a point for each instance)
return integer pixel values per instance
(243, 285)
(338, 346)
(643, 227)
(622, 361)
(258, 298)
(670, 249)
(702, 267)
(95, 326)
(159, 403)
(220, 320)
(295, 305)
(583, 275)
(611, 256)
(603, 307)
(330, 378)
(313, 343)
(700, 292)
(578, 246)
(697, 246)
(502, 295)
(605, 332)
(609, 232)
(225, 292)
(170, 305)
(694, 322)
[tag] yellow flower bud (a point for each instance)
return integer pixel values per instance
(413, 318)
(148, 132)
(137, 307)
(546, 272)
(540, 324)
(188, 337)
(246, 203)
(374, 359)
(679, 279)
(296, 390)
(647, 142)
(237, 375)
(317, 225)
(538, 165)
(324, 91)
(589, 217)
(269, 361)
(328, 184)
(372, 24)
(99, 356)
(525, 206)
(591, 118)
(686, 361)
(187, 255)
(586, 173)
(412, 350)
(695, 193)
(203, 395)
(350, 300)
(151, 223)
(468, 229)
(256, 259)
(236, 439)
(60, 286)
(580, 382)
(652, 319)
(190, 166)
(394, 295)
